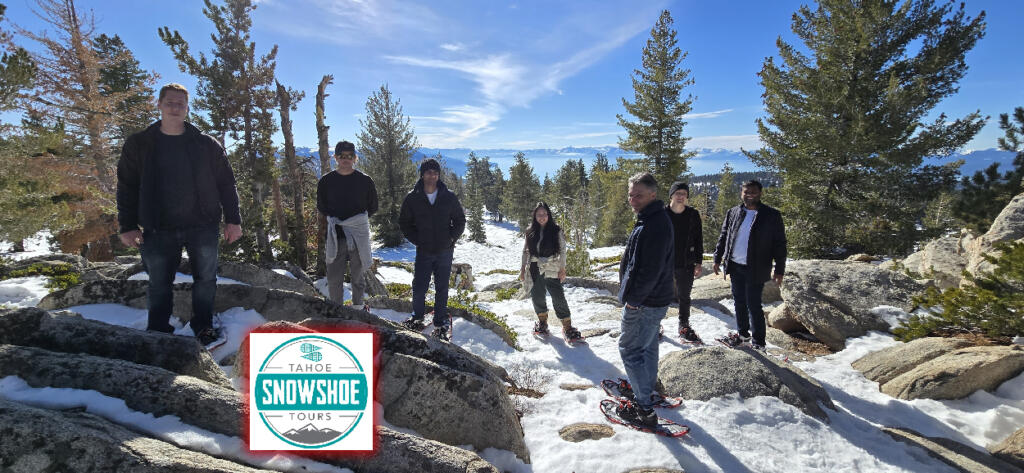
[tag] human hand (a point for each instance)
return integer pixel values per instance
(131, 238)
(715, 268)
(561, 275)
(778, 280)
(232, 232)
(697, 270)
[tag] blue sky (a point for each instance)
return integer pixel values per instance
(527, 74)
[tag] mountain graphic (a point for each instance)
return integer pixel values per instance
(310, 435)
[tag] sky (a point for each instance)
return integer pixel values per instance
(525, 74)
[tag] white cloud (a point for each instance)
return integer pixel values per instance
(455, 125)
(353, 21)
(454, 47)
(715, 114)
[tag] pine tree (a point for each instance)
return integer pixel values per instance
(658, 106)
(121, 76)
(845, 125)
(522, 194)
(569, 181)
(618, 219)
(492, 198)
(476, 178)
(596, 189)
(985, 194)
(17, 70)
(235, 89)
(387, 143)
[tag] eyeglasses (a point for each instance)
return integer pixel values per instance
(347, 156)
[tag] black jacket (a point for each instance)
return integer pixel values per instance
(432, 228)
(645, 273)
(767, 241)
(138, 196)
(689, 236)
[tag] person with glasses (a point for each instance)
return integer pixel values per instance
(347, 198)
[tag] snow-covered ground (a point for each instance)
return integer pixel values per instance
(728, 434)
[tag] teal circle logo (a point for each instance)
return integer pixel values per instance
(311, 392)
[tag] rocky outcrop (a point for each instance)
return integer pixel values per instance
(68, 332)
(1007, 227)
(1011, 450)
(942, 260)
(833, 299)
(476, 410)
(462, 277)
(716, 288)
(143, 388)
(952, 453)
(959, 373)
(35, 439)
(403, 453)
(697, 374)
(883, 365)
(579, 432)
(782, 319)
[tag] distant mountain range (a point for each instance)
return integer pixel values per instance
(707, 161)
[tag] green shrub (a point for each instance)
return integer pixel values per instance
(61, 276)
(606, 259)
(502, 271)
(506, 294)
(577, 262)
(991, 306)
(399, 264)
(397, 290)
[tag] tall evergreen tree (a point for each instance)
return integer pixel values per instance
(122, 76)
(596, 188)
(236, 90)
(477, 171)
(387, 143)
(845, 125)
(659, 107)
(522, 194)
(984, 195)
(492, 198)
(727, 195)
(17, 70)
(569, 181)
(614, 227)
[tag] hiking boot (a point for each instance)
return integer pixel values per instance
(634, 414)
(571, 334)
(626, 390)
(415, 324)
(757, 346)
(366, 307)
(734, 340)
(541, 328)
(441, 333)
(687, 335)
(211, 338)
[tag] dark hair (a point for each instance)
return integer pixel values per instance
(549, 245)
(646, 179)
(753, 183)
(428, 164)
(344, 146)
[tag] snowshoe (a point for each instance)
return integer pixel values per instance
(622, 391)
(212, 338)
(414, 324)
(573, 336)
(733, 340)
(441, 333)
(660, 426)
(540, 329)
(688, 336)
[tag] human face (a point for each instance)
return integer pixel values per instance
(346, 162)
(430, 178)
(173, 107)
(751, 196)
(639, 197)
(541, 216)
(680, 197)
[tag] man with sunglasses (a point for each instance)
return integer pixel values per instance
(347, 198)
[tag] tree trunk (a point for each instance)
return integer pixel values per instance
(294, 177)
(282, 226)
(325, 167)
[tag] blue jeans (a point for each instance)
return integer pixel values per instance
(161, 255)
(747, 295)
(440, 266)
(638, 347)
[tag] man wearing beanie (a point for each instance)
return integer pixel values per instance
(432, 219)
(347, 198)
(689, 248)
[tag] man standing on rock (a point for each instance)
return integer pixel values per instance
(432, 219)
(347, 198)
(689, 248)
(175, 182)
(752, 237)
(645, 291)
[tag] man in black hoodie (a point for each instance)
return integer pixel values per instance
(752, 237)
(175, 182)
(432, 219)
(645, 292)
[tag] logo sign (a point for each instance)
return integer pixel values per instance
(311, 391)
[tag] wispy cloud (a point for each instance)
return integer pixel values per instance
(715, 114)
(454, 47)
(730, 142)
(352, 22)
(455, 125)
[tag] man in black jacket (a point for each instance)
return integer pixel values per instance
(689, 248)
(645, 291)
(175, 182)
(432, 219)
(752, 237)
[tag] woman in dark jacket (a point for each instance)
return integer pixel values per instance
(544, 258)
